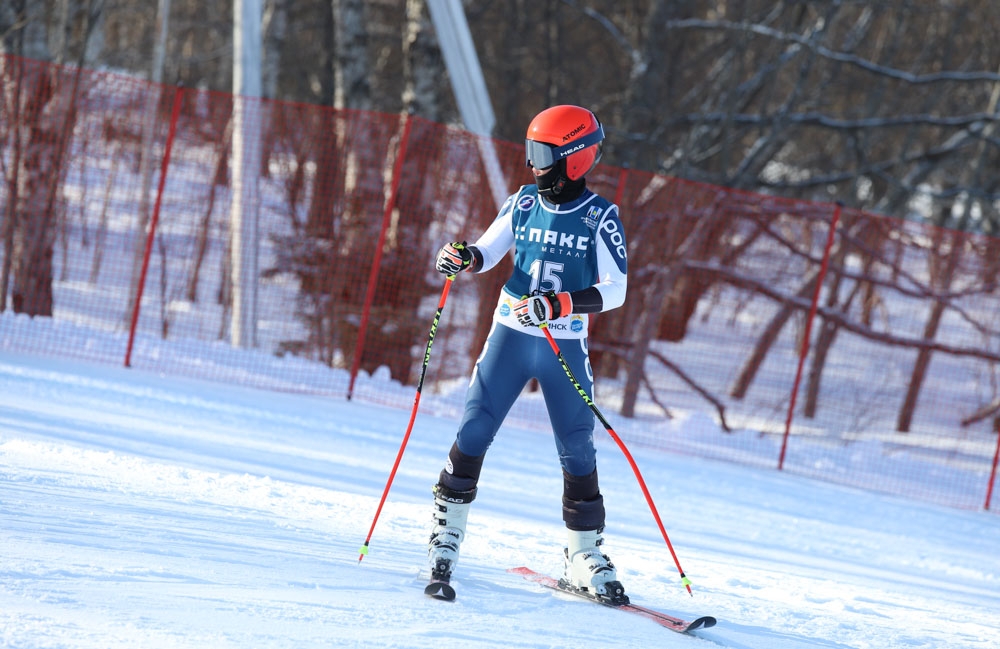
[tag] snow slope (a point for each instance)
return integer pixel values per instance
(144, 511)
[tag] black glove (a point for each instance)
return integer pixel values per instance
(536, 310)
(454, 258)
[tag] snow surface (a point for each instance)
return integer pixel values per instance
(143, 511)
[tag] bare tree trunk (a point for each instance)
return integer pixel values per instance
(161, 247)
(225, 295)
(12, 175)
(60, 45)
(944, 277)
(654, 297)
(41, 124)
(425, 100)
(351, 70)
(767, 339)
(870, 242)
(827, 333)
(149, 114)
(274, 28)
(34, 235)
(641, 108)
(332, 303)
(821, 350)
(201, 241)
(321, 284)
(101, 234)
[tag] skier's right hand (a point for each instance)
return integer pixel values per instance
(454, 258)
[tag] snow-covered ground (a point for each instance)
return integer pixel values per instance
(144, 511)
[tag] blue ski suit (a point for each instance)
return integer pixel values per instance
(578, 247)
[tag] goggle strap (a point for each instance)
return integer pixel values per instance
(576, 145)
(554, 153)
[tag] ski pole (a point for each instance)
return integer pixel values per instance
(621, 445)
(413, 413)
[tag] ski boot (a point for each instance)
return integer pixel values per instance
(451, 511)
(589, 571)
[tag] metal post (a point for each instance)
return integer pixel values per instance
(246, 152)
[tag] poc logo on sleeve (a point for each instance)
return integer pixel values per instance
(615, 237)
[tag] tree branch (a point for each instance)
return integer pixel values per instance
(743, 281)
(705, 394)
(820, 119)
(851, 59)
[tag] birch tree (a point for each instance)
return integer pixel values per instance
(37, 133)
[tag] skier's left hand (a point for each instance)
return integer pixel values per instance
(536, 310)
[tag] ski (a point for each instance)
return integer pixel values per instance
(664, 620)
(440, 589)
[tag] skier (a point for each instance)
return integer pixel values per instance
(569, 261)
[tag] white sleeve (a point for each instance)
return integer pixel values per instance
(496, 242)
(612, 261)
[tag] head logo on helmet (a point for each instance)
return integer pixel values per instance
(567, 136)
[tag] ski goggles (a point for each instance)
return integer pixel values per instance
(542, 156)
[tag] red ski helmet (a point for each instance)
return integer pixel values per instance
(565, 132)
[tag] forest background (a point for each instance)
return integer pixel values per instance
(887, 108)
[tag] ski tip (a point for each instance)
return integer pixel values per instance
(440, 590)
(701, 623)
